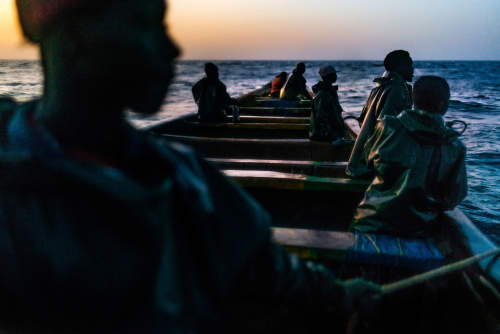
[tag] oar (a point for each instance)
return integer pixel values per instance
(449, 268)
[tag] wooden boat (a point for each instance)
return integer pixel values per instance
(303, 186)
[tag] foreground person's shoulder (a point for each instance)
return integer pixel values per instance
(7, 108)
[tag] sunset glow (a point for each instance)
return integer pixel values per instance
(315, 29)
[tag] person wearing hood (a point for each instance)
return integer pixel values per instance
(391, 96)
(278, 83)
(211, 96)
(107, 229)
(419, 165)
(327, 123)
(295, 88)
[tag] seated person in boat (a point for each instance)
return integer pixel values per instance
(295, 88)
(419, 165)
(327, 123)
(108, 229)
(278, 83)
(391, 96)
(211, 96)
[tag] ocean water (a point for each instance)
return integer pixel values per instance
(475, 99)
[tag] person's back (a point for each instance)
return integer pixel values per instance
(327, 123)
(295, 87)
(391, 96)
(278, 83)
(419, 166)
(211, 96)
(107, 229)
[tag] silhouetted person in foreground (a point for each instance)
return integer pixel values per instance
(419, 165)
(278, 83)
(211, 96)
(295, 88)
(391, 96)
(108, 229)
(327, 123)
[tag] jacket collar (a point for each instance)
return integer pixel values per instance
(423, 123)
(388, 77)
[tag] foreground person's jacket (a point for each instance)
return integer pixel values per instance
(327, 123)
(391, 96)
(212, 99)
(163, 242)
(419, 166)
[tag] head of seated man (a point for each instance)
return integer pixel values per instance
(399, 61)
(300, 68)
(99, 58)
(431, 94)
(328, 74)
(212, 71)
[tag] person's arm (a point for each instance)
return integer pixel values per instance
(395, 100)
(196, 90)
(388, 152)
(456, 182)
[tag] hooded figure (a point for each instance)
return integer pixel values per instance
(391, 96)
(211, 96)
(107, 229)
(278, 83)
(327, 123)
(295, 87)
(419, 165)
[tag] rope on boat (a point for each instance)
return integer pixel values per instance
(449, 268)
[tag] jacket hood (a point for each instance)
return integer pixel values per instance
(388, 77)
(427, 127)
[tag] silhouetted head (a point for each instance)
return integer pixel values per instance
(432, 94)
(328, 74)
(283, 76)
(117, 46)
(399, 61)
(300, 68)
(212, 71)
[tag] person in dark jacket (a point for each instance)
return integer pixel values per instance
(419, 165)
(211, 96)
(278, 83)
(327, 123)
(108, 229)
(391, 96)
(295, 88)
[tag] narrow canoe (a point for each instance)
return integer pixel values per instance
(303, 186)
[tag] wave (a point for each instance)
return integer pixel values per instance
(472, 106)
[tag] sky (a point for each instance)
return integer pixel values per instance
(316, 29)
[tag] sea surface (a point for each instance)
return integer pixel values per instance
(475, 99)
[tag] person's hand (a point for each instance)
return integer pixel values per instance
(356, 290)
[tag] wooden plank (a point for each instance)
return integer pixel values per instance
(280, 149)
(269, 111)
(305, 238)
(313, 168)
(272, 119)
(285, 181)
(252, 126)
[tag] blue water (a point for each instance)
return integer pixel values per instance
(475, 99)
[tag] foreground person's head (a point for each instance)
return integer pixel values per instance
(399, 61)
(328, 74)
(300, 68)
(212, 71)
(432, 94)
(116, 46)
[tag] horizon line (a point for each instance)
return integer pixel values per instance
(284, 59)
